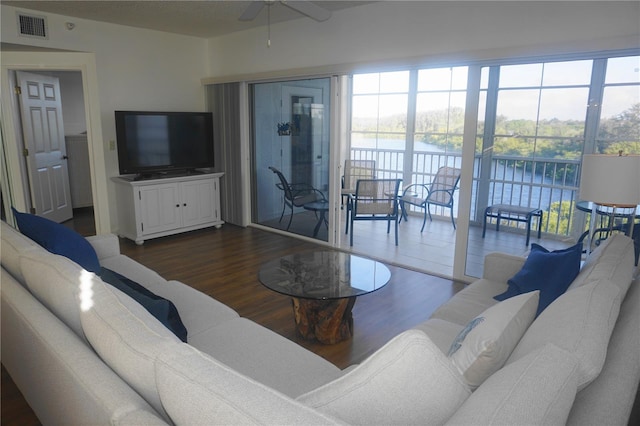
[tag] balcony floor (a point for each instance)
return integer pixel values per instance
(431, 251)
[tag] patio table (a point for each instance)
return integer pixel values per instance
(515, 213)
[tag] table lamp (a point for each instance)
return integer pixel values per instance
(610, 180)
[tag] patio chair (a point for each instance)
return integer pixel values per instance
(354, 170)
(295, 194)
(439, 193)
(375, 199)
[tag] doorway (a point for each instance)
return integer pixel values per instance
(53, 122)
(15, 187)
(290, 144)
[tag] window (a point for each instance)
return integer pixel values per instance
(412, 122)
(541, 109)
(619, 126)
(379, 120)
(413, 114)
(440, 109)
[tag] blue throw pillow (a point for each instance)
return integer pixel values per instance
(58, 239)
(164, 310)
(550, 272)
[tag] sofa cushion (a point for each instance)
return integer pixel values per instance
(470, 301)
(440, 332)
(199, 311)
(133, 270)
(127, 338)
(58, 239)
(612, 260)
(60, 376)
(580, 322)
(13, 245)
(551, 272)
(407, 381)
(105, 245)
(197, 389)
(265, 356)
(484, 345)
(162, 309)
(609, 399)
(538, 389)
(59, 284)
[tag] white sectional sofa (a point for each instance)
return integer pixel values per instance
(82, 352)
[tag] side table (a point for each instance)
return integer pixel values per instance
(515, 213)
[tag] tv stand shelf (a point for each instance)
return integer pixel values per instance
(153, 208)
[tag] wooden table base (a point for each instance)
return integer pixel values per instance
(328, 321)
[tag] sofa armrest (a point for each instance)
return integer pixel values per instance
(500, 267)
(105, 245)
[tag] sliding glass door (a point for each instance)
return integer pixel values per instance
(535, 122)
(290, 126)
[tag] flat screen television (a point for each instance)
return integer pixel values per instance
(152, 143)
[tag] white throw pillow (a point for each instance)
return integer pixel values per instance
(485, 344)
(407, 381)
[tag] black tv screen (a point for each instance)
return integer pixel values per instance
(155, 142)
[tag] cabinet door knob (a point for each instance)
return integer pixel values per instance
(177, 205)
(185, 204)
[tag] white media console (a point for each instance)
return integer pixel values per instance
(154, 208)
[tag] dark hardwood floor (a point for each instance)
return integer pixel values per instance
(224, 263)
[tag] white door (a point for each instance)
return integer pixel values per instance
(43, 133)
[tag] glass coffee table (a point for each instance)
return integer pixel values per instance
(323, 286)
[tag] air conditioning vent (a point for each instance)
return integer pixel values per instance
(32, 26)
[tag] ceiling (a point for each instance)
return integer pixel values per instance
(194, 18)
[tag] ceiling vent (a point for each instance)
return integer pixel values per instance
(32, 26)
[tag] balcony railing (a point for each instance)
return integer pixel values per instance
(547, 184)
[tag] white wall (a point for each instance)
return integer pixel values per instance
(423, 32)
(72, 102)
(137, 69)
(143, 69)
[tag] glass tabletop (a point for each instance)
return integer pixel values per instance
(324, 275)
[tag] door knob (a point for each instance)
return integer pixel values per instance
(64, 157)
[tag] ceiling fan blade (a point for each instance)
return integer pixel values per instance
(309, 9)
(252, 11)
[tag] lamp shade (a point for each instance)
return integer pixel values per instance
(611, 179)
